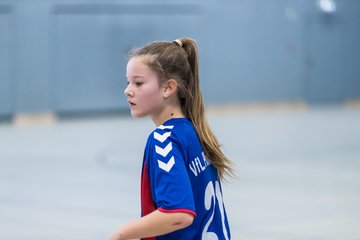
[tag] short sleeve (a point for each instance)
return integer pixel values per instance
(169, 180)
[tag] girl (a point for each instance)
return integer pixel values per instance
(181, 196)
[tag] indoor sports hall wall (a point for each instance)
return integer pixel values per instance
(68, 56)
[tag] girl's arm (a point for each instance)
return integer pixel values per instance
(154, 224)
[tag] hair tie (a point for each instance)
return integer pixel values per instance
(178, 41)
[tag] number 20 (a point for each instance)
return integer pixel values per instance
(213, 193)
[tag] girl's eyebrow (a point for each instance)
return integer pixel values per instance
(136, 76)
(134, 79)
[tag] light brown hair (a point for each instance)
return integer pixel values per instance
(179, 60)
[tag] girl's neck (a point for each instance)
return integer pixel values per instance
(167, 114)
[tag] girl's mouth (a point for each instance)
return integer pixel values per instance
(131, 104)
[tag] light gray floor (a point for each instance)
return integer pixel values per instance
(298, 175)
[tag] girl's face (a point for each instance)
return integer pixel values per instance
(144, 92)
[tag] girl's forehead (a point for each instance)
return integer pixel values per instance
(137, 66)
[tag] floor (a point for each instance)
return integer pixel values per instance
(298, 175)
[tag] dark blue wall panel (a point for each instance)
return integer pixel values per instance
(254, 52)
(69, 56)
(31, 70)
(6, 62)
(333, 50)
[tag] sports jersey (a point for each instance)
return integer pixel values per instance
(176, 177)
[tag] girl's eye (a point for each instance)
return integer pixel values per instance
(139, 83)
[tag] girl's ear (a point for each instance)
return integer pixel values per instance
(170, 87)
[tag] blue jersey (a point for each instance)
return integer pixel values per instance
(176, 177)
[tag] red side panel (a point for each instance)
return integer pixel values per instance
(147, 203)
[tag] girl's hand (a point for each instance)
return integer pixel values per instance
(116, 235)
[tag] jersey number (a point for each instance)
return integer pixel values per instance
(213, 193)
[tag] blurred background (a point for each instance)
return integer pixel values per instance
(281, 79)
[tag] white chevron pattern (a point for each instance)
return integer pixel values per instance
(163, 151)
(162, 127)
(163, 137)
(167, 166)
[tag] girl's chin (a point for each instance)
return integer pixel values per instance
(137, 114)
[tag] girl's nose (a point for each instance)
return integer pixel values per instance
(128, 91)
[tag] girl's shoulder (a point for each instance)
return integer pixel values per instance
(175, 130)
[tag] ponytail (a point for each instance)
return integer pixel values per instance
(179, 60)
(195, 110)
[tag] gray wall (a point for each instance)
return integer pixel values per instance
(68, 56)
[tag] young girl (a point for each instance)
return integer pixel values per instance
(181, 196)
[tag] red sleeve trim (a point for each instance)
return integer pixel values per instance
(183, 210)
